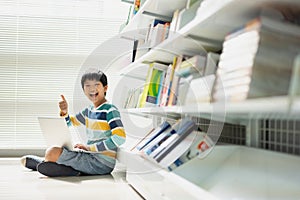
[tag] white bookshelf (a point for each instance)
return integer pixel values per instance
(158, 7)
(228, 172)
(236, 113)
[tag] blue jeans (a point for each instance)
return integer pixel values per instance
(86, 162)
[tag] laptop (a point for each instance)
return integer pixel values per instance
(56, 132)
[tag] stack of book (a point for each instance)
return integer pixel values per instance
(257, 60)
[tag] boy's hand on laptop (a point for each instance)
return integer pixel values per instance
(63, 105)
(81, 146)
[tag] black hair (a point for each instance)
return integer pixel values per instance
(97, 75)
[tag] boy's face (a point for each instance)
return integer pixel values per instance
(94, 90)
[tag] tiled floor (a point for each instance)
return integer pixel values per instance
(16, 182)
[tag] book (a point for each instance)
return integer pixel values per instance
(151, 33)
(136, 7)
(143, 96)
(153, 134)
(201, 143)
(245, 69)
(183, 88)
(155, 84)
(195, 64)
(132, 98)
(168, 83)
(174, 23)
(172, 100)
(155, 73)
(205, 85)
(156, 142)
(157, 32)
(185, 127)
(212, 60)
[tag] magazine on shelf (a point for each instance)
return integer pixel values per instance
(201, 143)
(157, 141)
(156, 72)
(186, 126)
(153, 134)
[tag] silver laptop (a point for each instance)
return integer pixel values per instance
(56, 132)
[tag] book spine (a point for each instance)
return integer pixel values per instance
(158, 141)
(168, 83)
(164, 126)
(184, 130)
(142, 100)
(175, 82)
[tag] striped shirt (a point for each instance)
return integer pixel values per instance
(104, 128)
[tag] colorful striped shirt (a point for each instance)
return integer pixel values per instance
(104, 128)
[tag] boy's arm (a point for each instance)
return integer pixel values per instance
(117, 137)
(71, 120)
(76, 120)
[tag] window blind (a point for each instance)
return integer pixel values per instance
(43, 44)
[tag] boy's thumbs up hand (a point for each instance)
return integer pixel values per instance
(63, 105)
(63, 97)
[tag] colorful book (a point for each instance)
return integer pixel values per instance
(143, 96)
(172, 100)
(149, 95)
(137, 4)
(155, 84)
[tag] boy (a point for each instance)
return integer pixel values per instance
(104, 129)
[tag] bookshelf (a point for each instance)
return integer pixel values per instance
(252, 107)
(206, 32)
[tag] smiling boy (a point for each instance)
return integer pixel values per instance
(104, 129)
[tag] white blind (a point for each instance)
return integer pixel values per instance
(42, 47)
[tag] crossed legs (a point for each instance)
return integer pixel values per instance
(52, 154)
